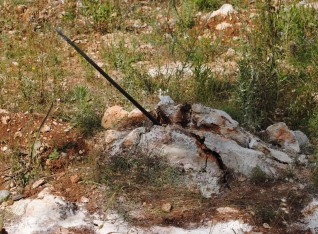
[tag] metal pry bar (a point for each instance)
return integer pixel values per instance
(101, 71)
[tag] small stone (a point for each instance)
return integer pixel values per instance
(48, 162)
(84, 199)
(17, 134)
(241, 179)
(75, 178)
(38, 183)
(5, 119)
(166, 207)
(144, 203)
(113, 116)
(20, 9)
(4, 148)
(98, 223)
(46, 128)
(67, 129)
(81, 152)
(226, 210)
(17, 197)
(12, 184)
(266, 225)
(4, 194)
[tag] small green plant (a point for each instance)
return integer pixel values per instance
(265, 214)
(277, 74)
(208, 4)
(104, 15)
(313, 123)
(85, 118)
(136, 169)
(54, 155)
(258, 176)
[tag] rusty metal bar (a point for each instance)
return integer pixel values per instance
(101, 71)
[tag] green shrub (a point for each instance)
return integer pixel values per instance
(208, 4)
(278, 74)
(102, 13)
(258, 176)
(85, 118)
(54, 154)
(313, 124)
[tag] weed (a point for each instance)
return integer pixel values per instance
(313, 123)
(258, 176)
(54, 155)
(137, 169)
(70, 11)
(105, 16)
(265, 214)
(271, 88)
(207, 4)
(86, 117)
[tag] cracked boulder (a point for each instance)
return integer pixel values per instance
(206, 144)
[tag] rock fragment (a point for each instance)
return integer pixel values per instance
(280, 134)
(75, 178)
(38, 183)
(166, 207)
(113, 116)
(4, 194)
(5, 119)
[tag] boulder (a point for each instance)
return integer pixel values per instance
(279, 134)
(205, 144)
(113, 116)
(303, 141)
(4, 194)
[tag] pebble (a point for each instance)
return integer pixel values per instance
(4, 148)
(84, 199)
(17, 197)
(225, 210)
(38, 183)
(46, 128)
(17, 134)
(166, 207)
(4, 194)
(66, 130)
(12, 184)
(75, 178)
(5, 119)
(266, 225)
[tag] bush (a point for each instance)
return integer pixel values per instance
(278, 72)
(208, 4)
(104, 14)
(86, 118)
(258, 176)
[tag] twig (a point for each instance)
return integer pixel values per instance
(39, 131)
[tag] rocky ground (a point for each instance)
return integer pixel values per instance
(199, 172)
(219, 189)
